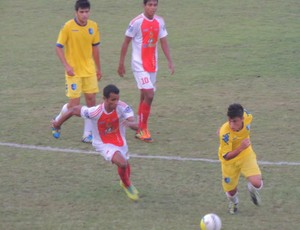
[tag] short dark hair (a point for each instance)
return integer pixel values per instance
(110, 89)
(83, 4)
(146, 1)
(235, 110)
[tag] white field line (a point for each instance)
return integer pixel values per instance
(51, 149)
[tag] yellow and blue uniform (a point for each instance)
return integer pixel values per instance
(245, 162)
(78, 42)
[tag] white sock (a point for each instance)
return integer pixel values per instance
(252, 188)
(87, 127)
(234, 199)
(63, 110)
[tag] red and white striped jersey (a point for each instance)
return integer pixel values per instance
(107, 127)
(145, 34)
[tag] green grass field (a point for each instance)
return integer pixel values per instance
(224, 52)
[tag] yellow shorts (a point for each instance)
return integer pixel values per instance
(247, 166)
(77, 85)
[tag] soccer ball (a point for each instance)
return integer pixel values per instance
(210, 222)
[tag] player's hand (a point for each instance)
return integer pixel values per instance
(171, 67)
(121, 70)
(69, 70)
(99, 75)
(245, 143)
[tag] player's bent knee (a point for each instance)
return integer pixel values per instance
(119, 160)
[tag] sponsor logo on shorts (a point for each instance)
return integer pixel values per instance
(227, 180)
(73, 86)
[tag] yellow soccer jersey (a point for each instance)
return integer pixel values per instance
(77, 42)
(230, 140)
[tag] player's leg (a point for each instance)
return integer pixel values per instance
(255, 183)
(147, 88)
(73, 92)
(89, 88)
(230, 178)
(124, 173)
(233, 198)
(87, 136)
(251, 171)
(119, 157)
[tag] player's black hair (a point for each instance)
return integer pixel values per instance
(145, 1)
(83, 4)
(110, 89)
(235, 110)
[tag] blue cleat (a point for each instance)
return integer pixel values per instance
(87, 139)
(55, 132)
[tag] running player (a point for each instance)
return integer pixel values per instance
(145, 31)
(237, 156)
(109, 122)
(77, 49)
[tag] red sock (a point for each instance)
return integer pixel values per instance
(140, 115)
(145, 112)
(128, 170)
(123, 173)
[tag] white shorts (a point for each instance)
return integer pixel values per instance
(145, 80)
(108, 151)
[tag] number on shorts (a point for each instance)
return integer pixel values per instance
(145, 80)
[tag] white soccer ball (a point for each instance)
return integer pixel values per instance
(210, 221)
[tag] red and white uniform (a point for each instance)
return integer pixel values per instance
(145, 34)
(108, 131)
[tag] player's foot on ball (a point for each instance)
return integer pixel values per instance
(55, 132)
(131, 192)
(232, 208)
(255, 197)
(144, 135)
(87, 139)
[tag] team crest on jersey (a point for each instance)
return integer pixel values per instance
(248, 127)
(91, 31)
(73, 86)
(226, 138)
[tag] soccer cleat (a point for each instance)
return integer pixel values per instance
(255, 197)
(144, 135)
(133, 188)
(232, 208)
(130, 191)
(55, 132)
(87, 139)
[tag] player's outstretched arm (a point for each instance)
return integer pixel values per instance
(74, 111)
(131, 122)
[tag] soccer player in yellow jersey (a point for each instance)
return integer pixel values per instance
(237, 156)
(78, 49)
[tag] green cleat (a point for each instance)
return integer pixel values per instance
(130, 191)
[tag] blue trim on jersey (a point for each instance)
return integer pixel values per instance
(59, 45)
(96, 44)
(75, 19)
